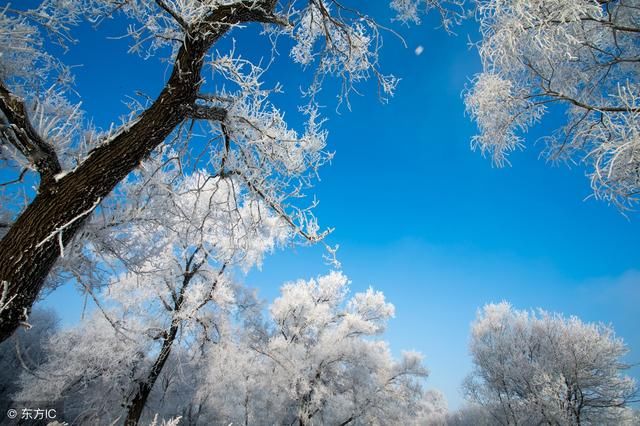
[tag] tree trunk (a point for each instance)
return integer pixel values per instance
(144, 387)
(32, 245)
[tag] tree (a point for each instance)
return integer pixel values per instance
(44, 137)
(584, 57)
(313, 361)
(470, 415)
(240, 368)
(124, 357)
(325, 364)
(203, 228)
(547, 369)
(174, 236)
(24, 350)
(434, 409)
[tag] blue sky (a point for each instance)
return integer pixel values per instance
(417, 214)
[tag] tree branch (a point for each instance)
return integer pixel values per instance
(246, 11)
(26, 140)
(200, 112)
(174, 15)
(580, 104)
(16, 180)
(24, 262)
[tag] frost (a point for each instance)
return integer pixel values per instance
(60, 175)
(5, 300)
(314, 360)
(580, 55)
(410, 11)
(542, 367)
(500, 114)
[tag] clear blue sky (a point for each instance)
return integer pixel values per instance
(417, 214)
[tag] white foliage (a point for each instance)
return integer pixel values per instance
(582, 55)
(434, 409)
(168, 252)
(325, 362)
(451, 11)
(500, 114)
(92, 362)
(318, 363)
(532, 368)
(24, 60)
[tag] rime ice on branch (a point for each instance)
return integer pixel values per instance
(542, 368)
(583, 55)
(215, 115)
(317, 358)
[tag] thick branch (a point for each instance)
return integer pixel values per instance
(207, 113)
(21, 134)
(246, 11)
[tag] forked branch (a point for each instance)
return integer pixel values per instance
(19, 132)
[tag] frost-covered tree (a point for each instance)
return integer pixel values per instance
(126, 355)
(215, 111)
(584, 57)
(173, 236)
(24, 351)
(433, 410)
(470, 415)
(316, 361)
(547, 369)
(330, 368)
(326, 361)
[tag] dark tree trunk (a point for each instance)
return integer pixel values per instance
(346, 422)
(31, 246)
(144, 387)
(304, 416)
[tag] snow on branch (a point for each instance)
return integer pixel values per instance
(582, 56)
(59, 230)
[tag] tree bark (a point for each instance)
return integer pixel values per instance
(32, 245)
(144, 387)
